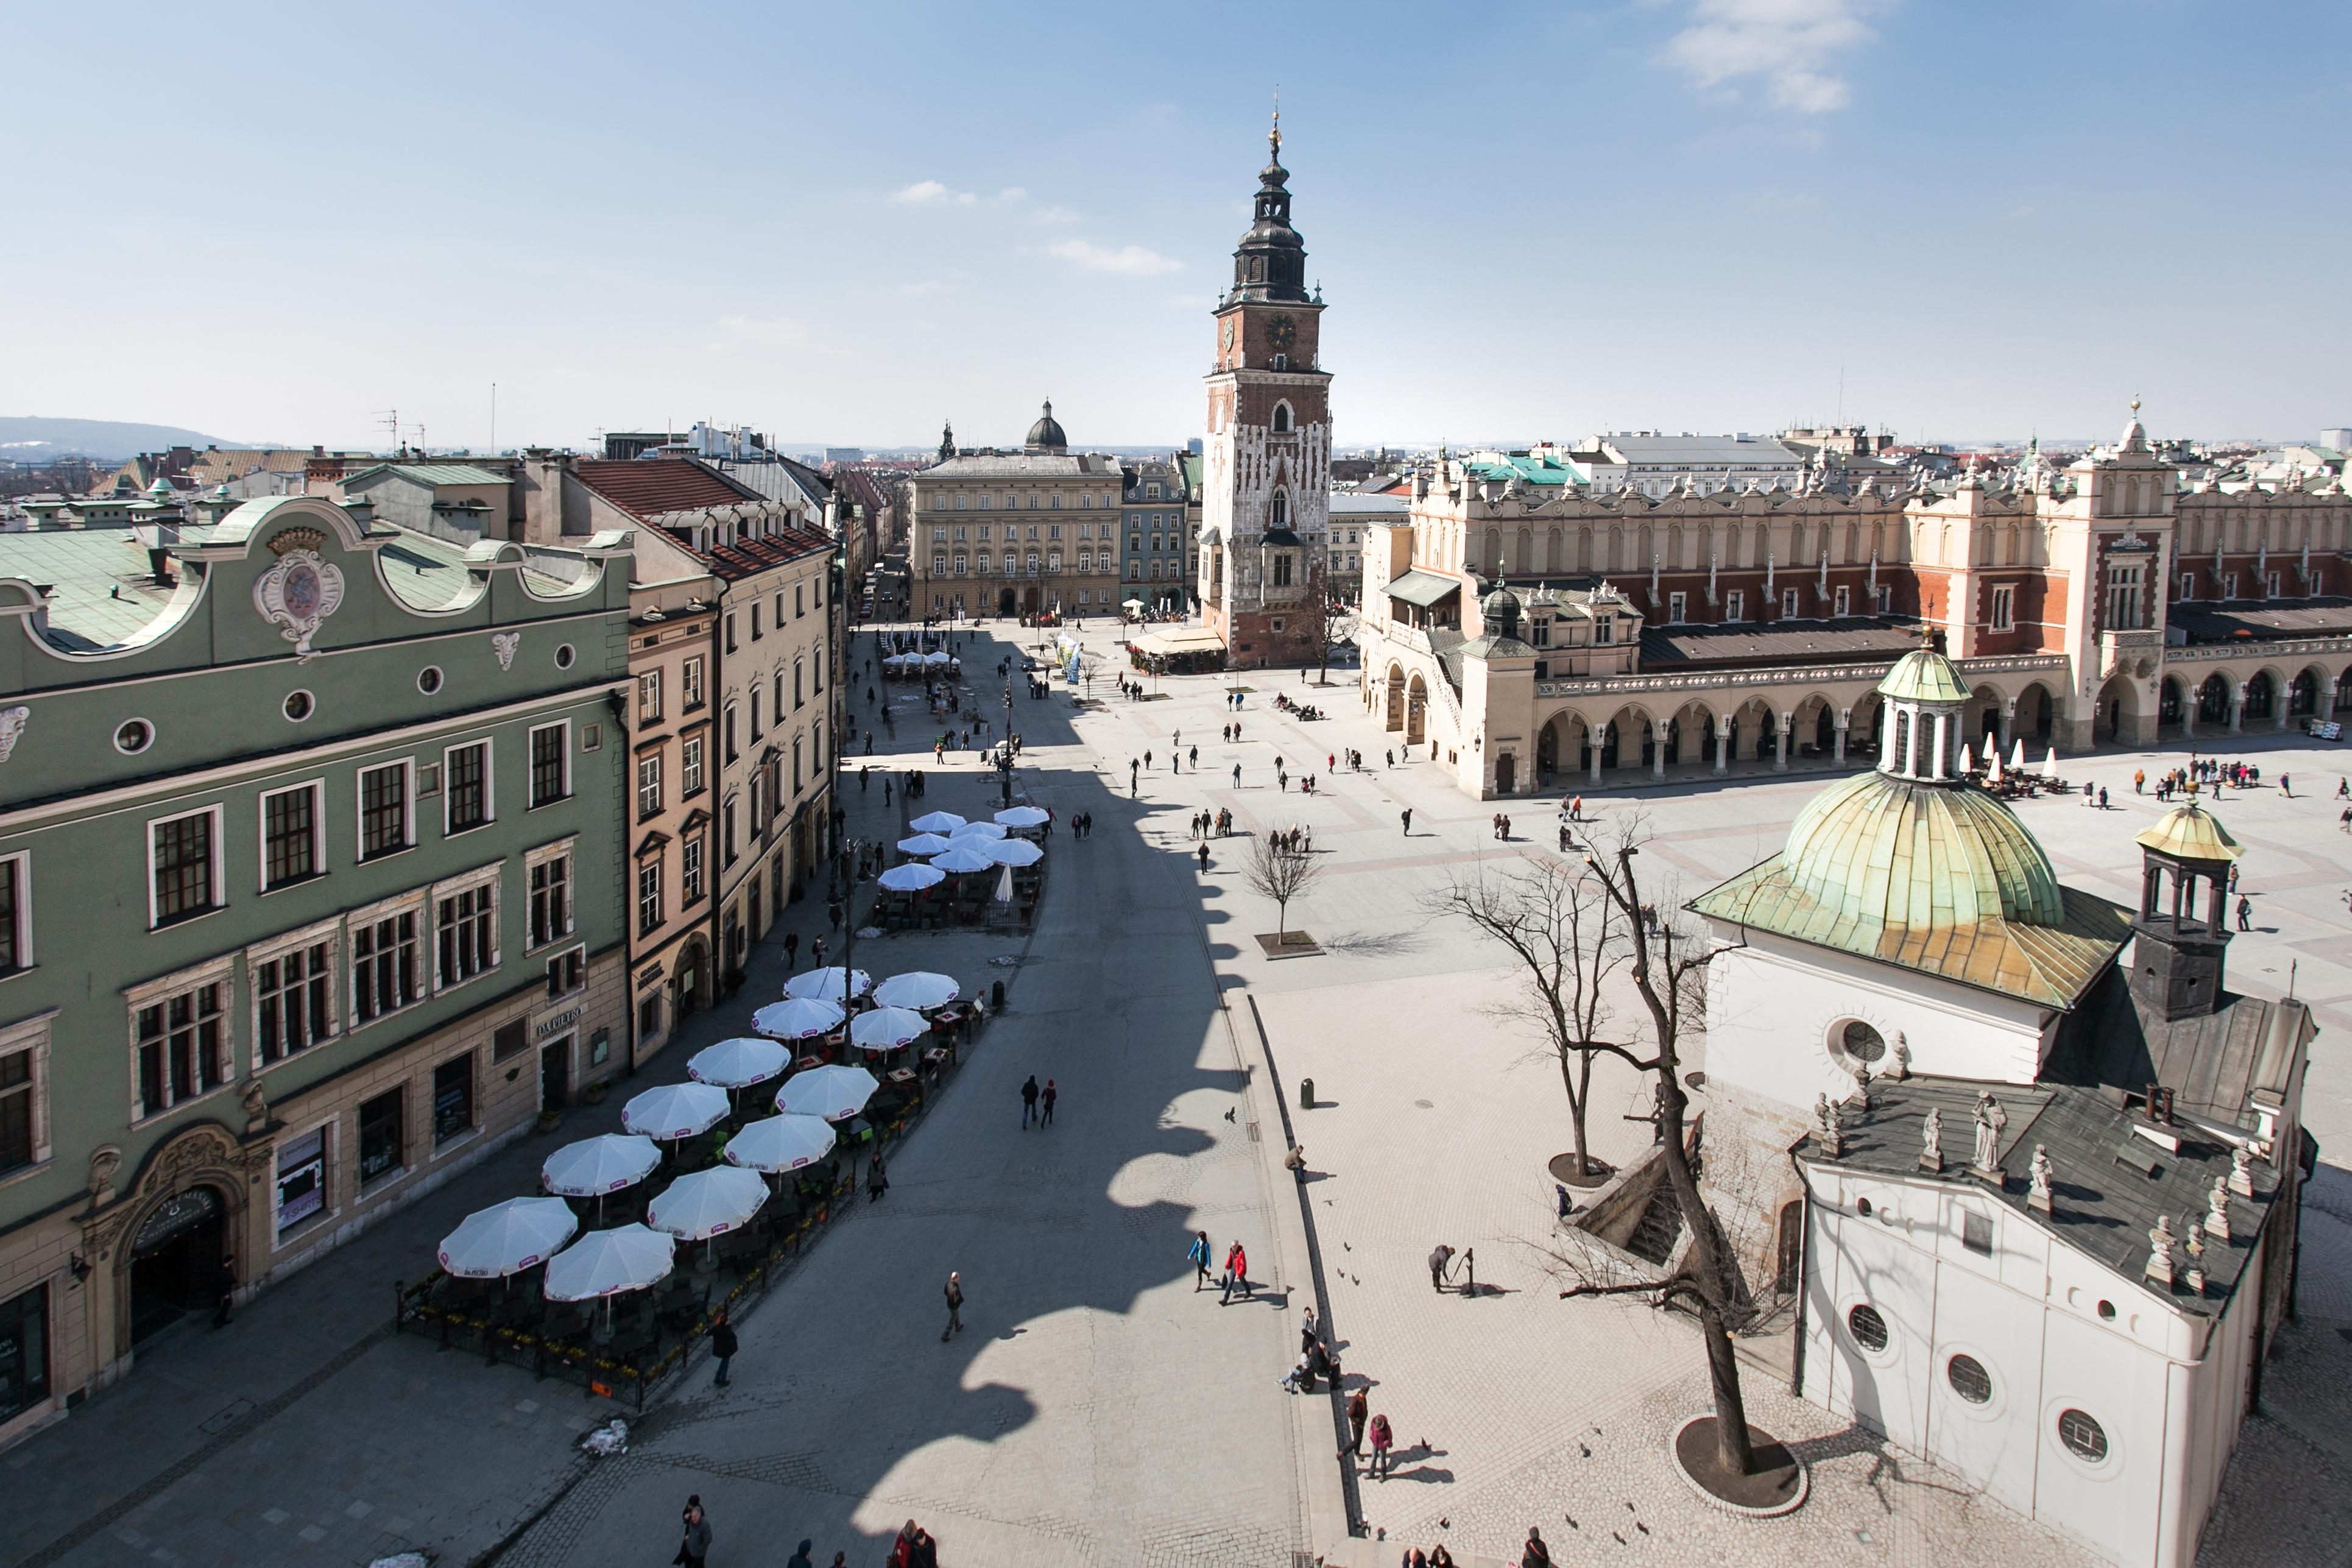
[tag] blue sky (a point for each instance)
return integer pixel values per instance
(843, 222)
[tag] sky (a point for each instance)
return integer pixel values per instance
(1958, 219)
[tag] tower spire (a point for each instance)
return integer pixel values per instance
(1274, 137)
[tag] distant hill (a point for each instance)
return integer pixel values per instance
(32, 439)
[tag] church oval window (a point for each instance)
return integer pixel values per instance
(1862, 1208)
(300, 705)
(133, 736)
(428, 679)
(1869, 1330)
(1969, 1379)
(1861, 1042)
(2083, 1436)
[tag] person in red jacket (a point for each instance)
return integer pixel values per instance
(1236, 1273)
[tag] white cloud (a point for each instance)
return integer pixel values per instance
(1134, 260)
(1011, 194)
(1789, 45)
(931, 193)
(771, 330)
(1053, 214)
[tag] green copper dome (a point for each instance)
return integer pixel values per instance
(1923, 674)
(1883, 851)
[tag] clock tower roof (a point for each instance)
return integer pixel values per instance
(1270, 264)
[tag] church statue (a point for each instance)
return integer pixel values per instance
(1990, 1121)
(2195, 1244)
(1828, 1131)
(1860, 1097)
(2160, 1251)
(2217, 1216)
(1902, 1054)
(2037, 1194)
(1931, 1141)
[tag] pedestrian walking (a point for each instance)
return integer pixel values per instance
(1204, 849)
(722, 1345)
(1405, 817)
(800, 1557)
(2245, 911)
(1359, 1412)
(1237, 775)
(955, 1308)
(1236, 1273)
(1046, 1104)
(1199, 1254)
(1535, 1554)
(696, 1544)
(1438, 1262)
(225, 1285)
(1193, 755)
(877, 1180)
(1383, 1439)
(1029, 1101)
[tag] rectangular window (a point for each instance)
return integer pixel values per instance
(551, 763)
(180, 861)
(19, 1109)
(453, 1097)
(293, 1001)
(2005, 608)
(731, 633)
(729, 843)
(1604, 631)
(550, 900)
(384, 810)
(734, 750)
(567, 971)
(15, 914)
(464, 924)
(1844, 601)
(689, 862)
(1976, 1232)
(24, 1351)
(1675, 603)
(381, 1137)
(649, 697)
(800, 589)
(301, 1179)
(1886, 599)
(755, 714)
(2271, 585)
(467, 803)
(1735, 605)
(1788, 604)
(2229, 585)
(649, 896)
(289, 836)
(383, 965)
(510, 1041)
(2122, 599)
(689, 767)
(183, 1046)
(690, 683)
(2189, 585)
(649, 784)
(755, 620)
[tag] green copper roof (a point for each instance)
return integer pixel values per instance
(2186, 832)
(1923, 674)
(1525, 467)
(1942, 878)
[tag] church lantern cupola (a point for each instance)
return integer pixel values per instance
(1271, 263)
(1921, 726)
(2178, 949)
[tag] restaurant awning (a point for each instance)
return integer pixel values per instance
(1183, 639)
(1424, 590)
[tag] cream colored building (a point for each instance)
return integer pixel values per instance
(1027, 532)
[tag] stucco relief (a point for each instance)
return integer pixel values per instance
(205, 1154)
(12, 728)
(300, 593)
(504, 644)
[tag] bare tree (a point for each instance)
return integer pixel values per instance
(1282, 868)
(1668, 970)
(1566, 939)
(1328, 618)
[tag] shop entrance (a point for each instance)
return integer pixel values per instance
(175, 1261)
(555, 1074)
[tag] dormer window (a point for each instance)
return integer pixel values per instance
(1604, 631)
(1542, 633)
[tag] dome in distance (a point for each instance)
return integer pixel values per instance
(1046, 435)
(1886, 853)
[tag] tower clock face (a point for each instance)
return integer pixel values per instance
(1229, 335)
(1281, 332)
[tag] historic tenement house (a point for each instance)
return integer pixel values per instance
(1028, 532)
(1535, 637)
(311, 895)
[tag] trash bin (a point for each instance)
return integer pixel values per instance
(1306, 1094)
(996, 998)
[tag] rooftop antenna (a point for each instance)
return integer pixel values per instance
(390, 420)
(494, 419)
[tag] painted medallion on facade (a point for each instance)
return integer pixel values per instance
(301, 591)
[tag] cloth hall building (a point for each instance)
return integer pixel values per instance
(1554, 636)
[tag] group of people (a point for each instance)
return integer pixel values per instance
(1207, 823)
(1503, 828)
(1295, 840)
(1234, 1276)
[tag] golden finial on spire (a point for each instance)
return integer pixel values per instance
(1274, 137)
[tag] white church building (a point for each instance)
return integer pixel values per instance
(2039, 1203)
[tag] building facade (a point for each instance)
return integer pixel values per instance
(2100, 602)
(1266, 453)
(350, 798)
(1155, 561)
(1017, 533)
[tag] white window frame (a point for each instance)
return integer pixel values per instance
(221, 970)
(693, 868)
(649, 696)
(217, 848)
(556, 955)
(416, 901)
(651, 865)
(407, 767)
(453, 887)
(318, 788)
(650, 758)
(1735, 605)
(22, 862)
(32, 1035)
(1843, 603)
(2004, 608)
(331, 931)
(532, 859)
(691, 764)
(689, 681)
(489, 785)
(531, 765)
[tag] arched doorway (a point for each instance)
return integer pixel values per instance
(2262, 696)
(175, 1260)
(2303, 696)
(690, 986)
(1416, 707)
(1395, 684)
(1982, 727)
(1004, 602)
(2171, 706)
(2343, 690)
(2119, 705)
(2213, 700)
(2034, 719)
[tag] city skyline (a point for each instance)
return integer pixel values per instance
(1543, 222)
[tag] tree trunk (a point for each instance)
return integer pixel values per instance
(1575, 1117)
(1731, 1447)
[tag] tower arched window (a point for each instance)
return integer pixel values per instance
(1282, 418)
(1278, 512)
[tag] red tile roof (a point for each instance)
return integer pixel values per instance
(756, 555)
(654, 486)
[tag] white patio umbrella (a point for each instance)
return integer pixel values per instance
(784, 1143)
(708, 1203)
(937, 658)
(1004, 894)
(605, 1263)
(937, 822)
(824, 984)
(919, 989)
(798, 1019)
(1020, 817)
(912, 878)
(1968, 758)
(2050, 764)
(509, 1237)
(594, 1166)
(964, 858)
(976, 830)
(1994, 775)
(2016, 755)
(831, 1093)
(676, 1111)
(922, 844)
(887, 1028)
(738, 1063)
(1014, 852)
